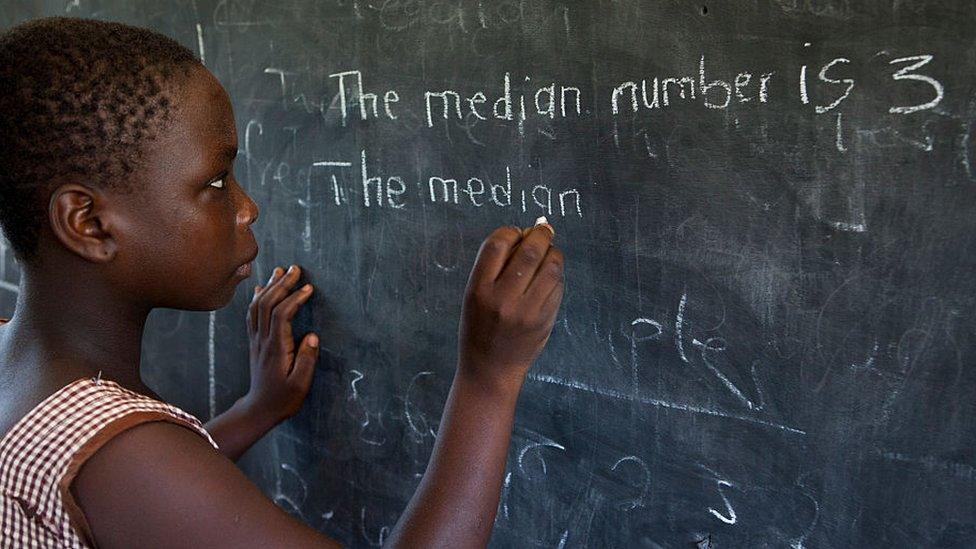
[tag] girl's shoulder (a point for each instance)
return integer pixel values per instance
(42, 453)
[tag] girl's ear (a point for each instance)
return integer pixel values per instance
(78, 220)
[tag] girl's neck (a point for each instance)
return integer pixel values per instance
(66, 328)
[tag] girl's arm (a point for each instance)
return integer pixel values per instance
(239, 428)
(510, 307)
(159, 484)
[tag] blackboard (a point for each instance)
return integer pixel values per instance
(767, 209)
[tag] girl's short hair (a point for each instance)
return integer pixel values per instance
(80, 99)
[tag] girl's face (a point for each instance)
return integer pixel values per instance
(188, 243)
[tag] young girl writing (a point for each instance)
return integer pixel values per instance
(117, 195)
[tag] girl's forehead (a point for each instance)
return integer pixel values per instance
(200, 132)
(204, 108)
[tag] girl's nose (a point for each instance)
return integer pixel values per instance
(248, 212)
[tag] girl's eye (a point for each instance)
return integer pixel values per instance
(218, 183)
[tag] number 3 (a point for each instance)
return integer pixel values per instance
(904, 74)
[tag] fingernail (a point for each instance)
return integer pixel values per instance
(307, 288)
(313, 340)
(291, 269)
(527, 230)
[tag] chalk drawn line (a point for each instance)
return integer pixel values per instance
(610, 393)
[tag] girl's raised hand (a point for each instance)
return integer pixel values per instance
(510, 304)
(281, 372)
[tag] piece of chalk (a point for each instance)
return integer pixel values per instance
(540, 221)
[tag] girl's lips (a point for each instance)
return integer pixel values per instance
(244, 270)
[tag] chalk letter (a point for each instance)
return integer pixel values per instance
(446, 97)
(547, 207)
(576, 92)
(367, 182)
(823, 77)
(506, 99)
(742, 80)
(681, 87)
(472, 193)
(446, 190)
(655, 103)
(390, 193)
(562, 202)
(388, 98)
(477, 98)
(618, 91)
(281, 75)
(550, 110)
(715, 83)
(764, 86)
(506, 190)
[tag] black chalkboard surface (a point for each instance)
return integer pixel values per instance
(768, 209)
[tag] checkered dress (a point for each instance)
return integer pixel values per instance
(42, 453)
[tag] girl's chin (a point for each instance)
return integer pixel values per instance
(216, 297)
(220, 297)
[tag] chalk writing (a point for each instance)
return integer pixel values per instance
(553, 100)
(645, 481)
(354, 394)
(690, 408)
(729, 517)
(381, 533)
(212, 363)
(547, 101)
(418, 425)
(390, 191)
(661, 92)
(367, 101)
(904, 74)
(542, 462)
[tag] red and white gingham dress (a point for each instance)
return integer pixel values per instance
(42, 453)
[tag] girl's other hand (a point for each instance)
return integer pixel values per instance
(510, 306)
(281, 372)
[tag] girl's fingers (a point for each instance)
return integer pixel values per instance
(493, 254)
(546, 277)
(551, 305)
(285, 311)
(305, 359)
(272, 295)
(254, 310)
(252, 314)
(525, 261)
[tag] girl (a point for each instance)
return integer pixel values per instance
(117, 195)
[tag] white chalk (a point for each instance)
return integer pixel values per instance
(540, 221)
